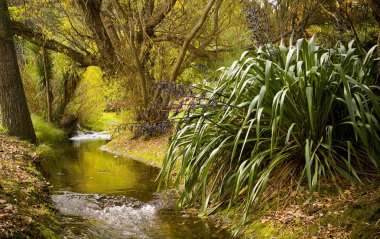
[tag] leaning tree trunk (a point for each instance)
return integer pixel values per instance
(14, 109)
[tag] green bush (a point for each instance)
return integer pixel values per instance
(299, 112)
(47, 133)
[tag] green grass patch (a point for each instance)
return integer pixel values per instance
(47, 133)
(260, 230)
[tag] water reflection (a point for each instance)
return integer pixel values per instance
(103, 196)
(86, 169)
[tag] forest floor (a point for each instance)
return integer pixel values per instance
(353, 213)
(26, 210)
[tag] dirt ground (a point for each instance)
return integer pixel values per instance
(25, 207)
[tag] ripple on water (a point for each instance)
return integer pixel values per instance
(119, 215)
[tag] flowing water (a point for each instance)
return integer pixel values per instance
(105, 196)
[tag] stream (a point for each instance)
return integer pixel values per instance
(100, 195)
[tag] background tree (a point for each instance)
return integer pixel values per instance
(375, 6)
(15, 112)
(135, 40)
(331, 21)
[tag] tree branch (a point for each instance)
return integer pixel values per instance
(37, 38)
(159, 15)
(188, 40)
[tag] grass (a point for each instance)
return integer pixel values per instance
(47, 133)
(150, 151)
(49, 138)
(284, 114)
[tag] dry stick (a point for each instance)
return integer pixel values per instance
(188, 39)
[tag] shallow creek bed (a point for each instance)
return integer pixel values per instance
(101, 195)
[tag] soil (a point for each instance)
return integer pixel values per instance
(26, 210)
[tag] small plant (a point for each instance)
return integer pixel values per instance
(299, 112)
(3, 130)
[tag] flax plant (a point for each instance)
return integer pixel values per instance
(301, 111)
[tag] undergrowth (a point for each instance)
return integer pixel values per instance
(49, 137)
(47, 133)
(299, 113)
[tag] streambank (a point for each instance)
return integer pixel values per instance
(26, 210)
(150, 152)
(353, 213)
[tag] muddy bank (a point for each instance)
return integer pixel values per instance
(26, 210)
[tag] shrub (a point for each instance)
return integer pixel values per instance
(299, 112)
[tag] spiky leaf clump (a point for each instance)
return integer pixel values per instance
(301, 112)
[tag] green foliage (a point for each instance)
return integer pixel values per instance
(61, 73)
(108, 121)
(47, 133)
(3, 130)
(90, 99)
(300, 112)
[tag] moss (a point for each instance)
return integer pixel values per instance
(48, 233)
(360, 217)
(365, 231)
(356, 215)
(32, 170)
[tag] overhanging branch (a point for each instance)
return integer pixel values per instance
(37, 38)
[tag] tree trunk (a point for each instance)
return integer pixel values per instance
(15, 112)
(375, 6)
(92, 11)
(49, 94)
